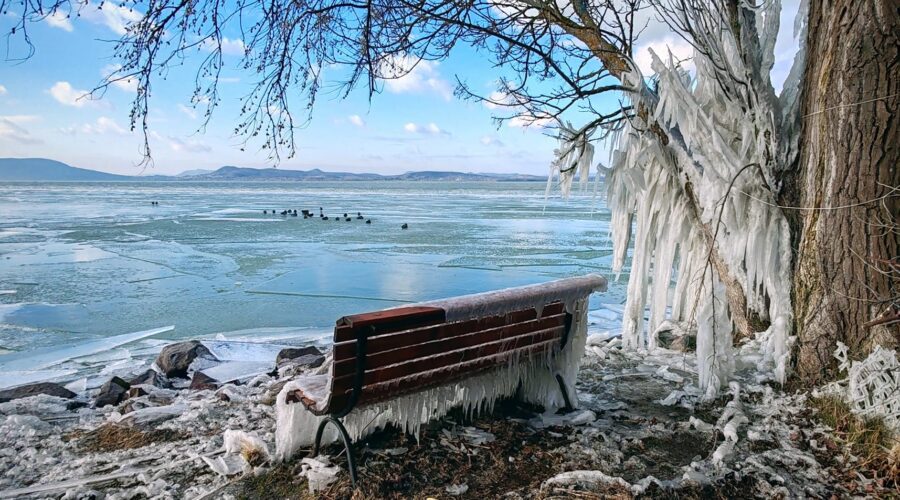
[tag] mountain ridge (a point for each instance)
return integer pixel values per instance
(42, 169)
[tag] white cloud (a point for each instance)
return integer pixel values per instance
(681, 51)
(495, 100)
(489, 140)
(190, 112)
(64, 93)
(59, 20)
(427, 129)
(188, 145)
(11, 129)
(357, 120)
(3, 90)
(129, 84)
(230, 46)
(234, 47)
(405, 74)
(527, 121)
(103, 125)
(113, 16)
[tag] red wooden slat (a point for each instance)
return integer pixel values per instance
(389, 320)
(419, 350)
(396, 340)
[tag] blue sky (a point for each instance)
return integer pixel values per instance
(414, 124)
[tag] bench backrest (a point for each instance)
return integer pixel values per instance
(389, 353)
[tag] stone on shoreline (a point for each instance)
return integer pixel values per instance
(292, 353)
(112, 393)
(149, 377)
(174, 359)
(136, 392)
(25, 391)
(201, 382)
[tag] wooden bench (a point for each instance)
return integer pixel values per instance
(379, 356)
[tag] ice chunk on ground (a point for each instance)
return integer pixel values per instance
(664, 373)
(584, 478)
(151, 414)
(239, 370)
(456, 489)
(551, 419)
(227, 465)
(873, 384)
(248, 445)
(319, 473)
(230, 350)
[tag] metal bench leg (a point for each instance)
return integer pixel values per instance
(348, 444)
(565, 393)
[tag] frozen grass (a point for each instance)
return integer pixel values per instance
(111, 437)
(868, 443)
(518, 460)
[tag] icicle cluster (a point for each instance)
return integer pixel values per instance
(716, 131)
(572, 159)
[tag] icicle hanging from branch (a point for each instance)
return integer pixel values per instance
(573, 158)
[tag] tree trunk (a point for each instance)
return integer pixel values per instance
(848, 253)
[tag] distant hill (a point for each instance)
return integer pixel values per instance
(463, 176)
(280, 174)
(195, 172)
(39, 169)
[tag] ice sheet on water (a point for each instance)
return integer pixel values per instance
(277, 334)
(238, 219)
(47, 252)
(239, 370)
(232, 211)
(604, 315)
(7, 292)
(51, 356)
(16, 378)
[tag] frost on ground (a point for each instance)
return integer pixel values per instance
(643, 429)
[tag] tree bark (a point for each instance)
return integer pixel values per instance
(846, 266)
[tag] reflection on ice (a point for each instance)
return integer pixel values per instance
(38, 315)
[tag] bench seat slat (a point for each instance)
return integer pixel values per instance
(453, 343)
(389, 320)
(448, 374)
(382, 340)
(460, 357)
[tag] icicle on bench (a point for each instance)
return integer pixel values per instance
(409, 365)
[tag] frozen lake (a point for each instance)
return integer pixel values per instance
(85, 261)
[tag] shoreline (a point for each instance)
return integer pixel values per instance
(641, 431)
